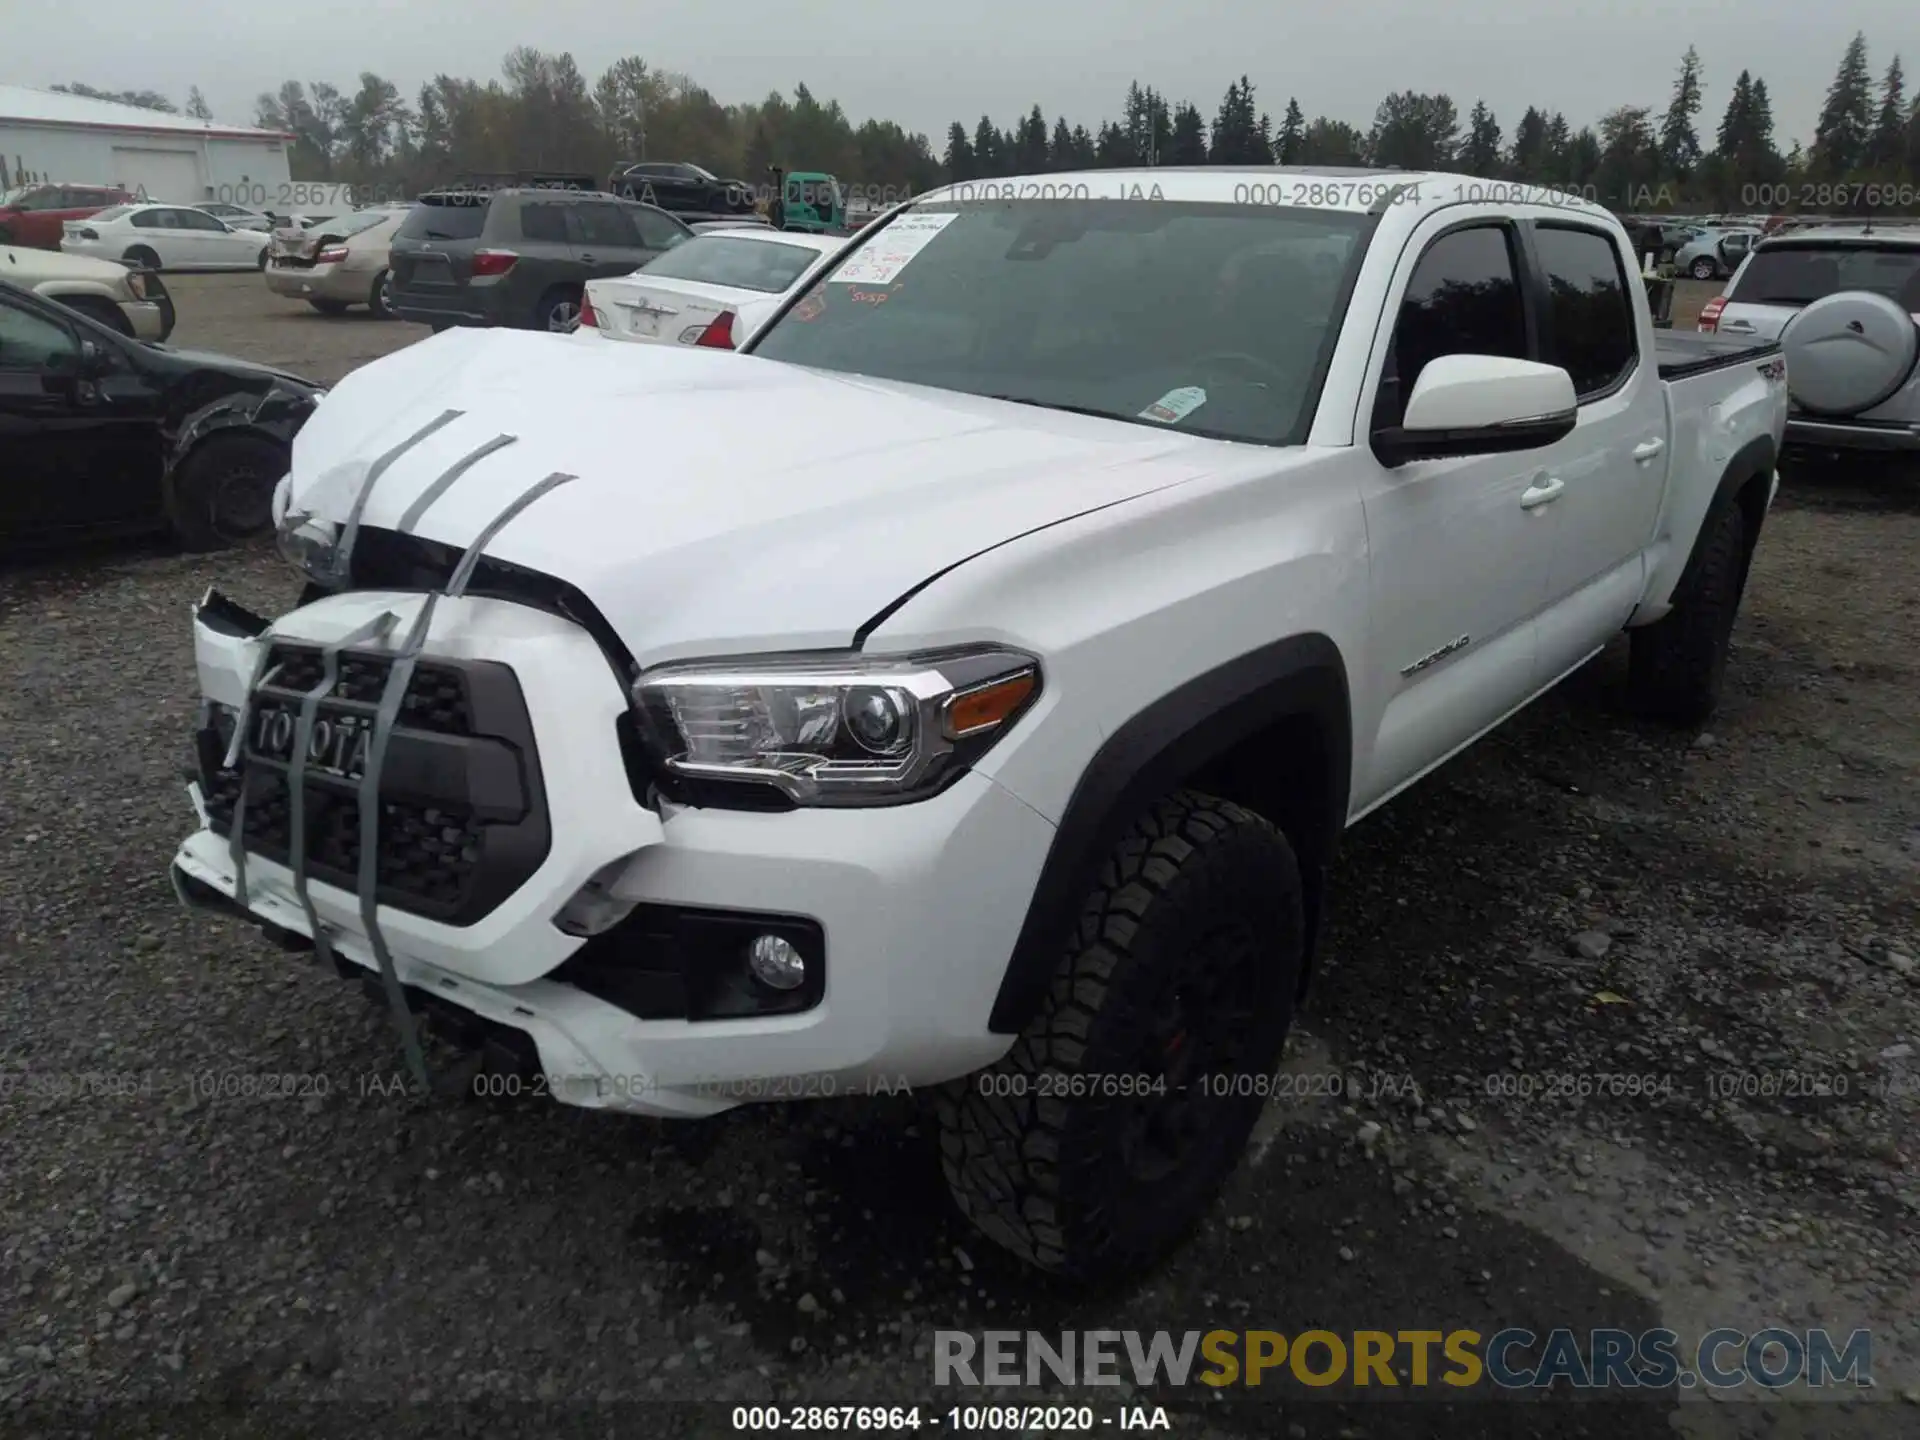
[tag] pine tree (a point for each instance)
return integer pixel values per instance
(1111, 150)
(1846, 119)
(1561, 146)
(989, 158)
(1236, 129)
(1189, 143)
(1679, 141)
(1481, 155)
(1412, 131)
(1060, 148)
(1731, 140)
(1292, 135)
(1887, 147)
(1528, 159)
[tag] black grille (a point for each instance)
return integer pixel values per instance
(427, 853)
(436, 697)
(463, 819)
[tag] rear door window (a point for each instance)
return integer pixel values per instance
(1801, 274)
(604, 225)
(1589, 326)
(544, 221)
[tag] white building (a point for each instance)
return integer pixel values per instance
(46, 135)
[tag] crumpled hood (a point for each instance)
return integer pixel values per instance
(722, 504)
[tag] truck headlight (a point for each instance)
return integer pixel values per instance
(307, 543)
(840, 729)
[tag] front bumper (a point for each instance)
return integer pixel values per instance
(1880, 435)
(919, 905)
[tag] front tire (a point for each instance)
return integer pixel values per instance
(1677, 664)
(1180, 978)
(222, 493)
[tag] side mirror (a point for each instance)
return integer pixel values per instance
(1480, 405)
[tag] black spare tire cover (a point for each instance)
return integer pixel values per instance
(1849, 352)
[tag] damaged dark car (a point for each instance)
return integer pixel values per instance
(103, 435)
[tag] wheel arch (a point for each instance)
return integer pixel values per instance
(275, 416)
(1747, 482)
(1271, 729)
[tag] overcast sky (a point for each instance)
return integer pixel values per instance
(926, 66)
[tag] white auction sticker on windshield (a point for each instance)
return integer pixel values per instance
(881, 259)
(1175, 405)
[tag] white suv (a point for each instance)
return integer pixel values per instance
(1844, 303)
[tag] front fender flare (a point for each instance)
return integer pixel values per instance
(1151, 754)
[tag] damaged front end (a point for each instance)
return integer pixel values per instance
(332, 751)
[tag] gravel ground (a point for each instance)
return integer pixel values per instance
(1726, 914)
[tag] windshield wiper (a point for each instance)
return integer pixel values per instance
(1054, 405)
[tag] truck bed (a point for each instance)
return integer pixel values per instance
(1681, 353)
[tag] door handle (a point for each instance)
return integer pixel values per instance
(1647, 449)
(589, 259)
(1544, 490)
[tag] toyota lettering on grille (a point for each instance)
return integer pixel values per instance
(337, 746)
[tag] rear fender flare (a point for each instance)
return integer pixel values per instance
(1751, 463)
(1153, 753)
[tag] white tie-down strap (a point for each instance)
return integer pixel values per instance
(398, 679)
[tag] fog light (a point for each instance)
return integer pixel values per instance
(776, 963)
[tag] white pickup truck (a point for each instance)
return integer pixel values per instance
(967, 684)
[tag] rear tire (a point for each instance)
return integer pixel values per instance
(1677, 664)
(141, 258)
(1704, 269)
(261, 262)
(222, 494)
(380, 297)
(329, 307)
(1185, 966)
(556, 308)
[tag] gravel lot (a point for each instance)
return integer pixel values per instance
(1582, 896)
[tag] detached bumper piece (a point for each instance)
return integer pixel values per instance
(463, 820)
(500, 1049)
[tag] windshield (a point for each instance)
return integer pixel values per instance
(1801, 274)
(1211, 319)
(702, 174)
(721, 259)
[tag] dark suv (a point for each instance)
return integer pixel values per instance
(518, 258)
(682, 188)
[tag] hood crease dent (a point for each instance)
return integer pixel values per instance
(724, 504)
